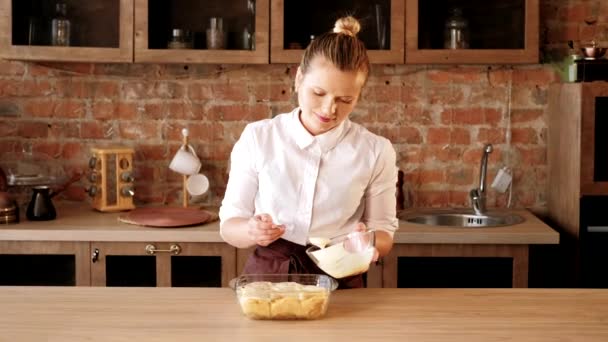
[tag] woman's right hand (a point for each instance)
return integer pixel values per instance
(263, 231)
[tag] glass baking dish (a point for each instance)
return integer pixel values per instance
(283, 296)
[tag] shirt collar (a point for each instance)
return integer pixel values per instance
(327, 141)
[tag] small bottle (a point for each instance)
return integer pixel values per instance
(61, 26)
(456, 31)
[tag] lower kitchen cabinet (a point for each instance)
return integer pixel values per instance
(189, 264)
(456, 266)
(44, 263)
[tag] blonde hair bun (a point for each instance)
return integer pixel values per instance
(347, 25)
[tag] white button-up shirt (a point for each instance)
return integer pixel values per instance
(315, 185)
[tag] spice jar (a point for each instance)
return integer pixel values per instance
(180, 39)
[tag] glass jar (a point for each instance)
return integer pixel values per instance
(456, 31)
(61, 26)
(180, 39)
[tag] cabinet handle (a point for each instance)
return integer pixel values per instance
(95, 255)
(173, 249)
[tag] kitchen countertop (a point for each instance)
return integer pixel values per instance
(212, 314)
(79, 222)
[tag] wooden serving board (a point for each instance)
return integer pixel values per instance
(167, 217)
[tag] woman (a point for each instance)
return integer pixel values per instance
(312, 172)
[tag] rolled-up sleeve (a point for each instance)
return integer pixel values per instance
(239, 199)
(380, 201)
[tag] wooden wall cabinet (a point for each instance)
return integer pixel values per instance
(44, 263)
(101, 31)
(293, 23)
(501, 31)
(154, 264)
(154, 21)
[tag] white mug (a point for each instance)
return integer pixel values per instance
(197, 184)
(185, 161)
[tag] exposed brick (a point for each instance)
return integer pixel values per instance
(532, 155)
(438, 135)
(417, 115)
(274, 92)
(215, 152)
(431, 198)
(471, 116)
(8, 128)
(64, 129)
(72, 88)
(534, 76)
(49, 148)
(444, 154)
(424, 176)
(39, 108)
(456, 75)
(153, 111)
(526, 115)
(9, 145)
(238, 112)
(69, 109)
(137, 90)
(492, 135)
(524, 136)
(409, 135)
(133, 130)
(229, 92)
(73, 150)
(153, 152)
(389, 113)
(460, 176)
(103, 110)
(33, 129)
(11, 68)
(126, 111)
(446, 135)
(75, 193)
(576, 12)
(35, 88)
(92, 130)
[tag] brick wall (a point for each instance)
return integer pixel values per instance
(438, 117)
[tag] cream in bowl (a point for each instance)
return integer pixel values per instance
(345, 255)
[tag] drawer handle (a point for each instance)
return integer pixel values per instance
(173, 249)
(95, 255)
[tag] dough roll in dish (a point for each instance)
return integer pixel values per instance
(282, 300)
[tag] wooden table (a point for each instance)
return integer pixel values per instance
(212, 314)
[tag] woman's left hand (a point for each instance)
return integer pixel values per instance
(361, 227)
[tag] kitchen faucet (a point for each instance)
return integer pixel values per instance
(478, 196)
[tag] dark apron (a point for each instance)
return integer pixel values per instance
(286, 257)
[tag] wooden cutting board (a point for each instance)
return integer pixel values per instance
(166, 217)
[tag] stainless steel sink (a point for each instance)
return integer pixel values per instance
(464, 218)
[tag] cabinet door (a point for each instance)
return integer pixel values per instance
(500, 31)
(44, 263)
(241, 34)
(162, 264)
(203, 265)
(100, 31)
(126, 264)
(294, 22)
(453, 265)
